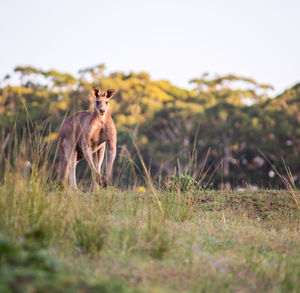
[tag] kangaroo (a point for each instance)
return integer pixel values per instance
(85, 135)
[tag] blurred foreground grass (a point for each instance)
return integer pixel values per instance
(119, 241)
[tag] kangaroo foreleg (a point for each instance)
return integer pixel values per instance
(98, 157)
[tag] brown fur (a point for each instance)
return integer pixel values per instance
(85, 135)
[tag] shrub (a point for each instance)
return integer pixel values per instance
(182, 182)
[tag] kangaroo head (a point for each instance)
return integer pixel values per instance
(101, 100)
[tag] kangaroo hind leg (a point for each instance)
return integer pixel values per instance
(71, 159)
(63, 169)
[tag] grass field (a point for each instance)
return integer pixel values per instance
(146, 241)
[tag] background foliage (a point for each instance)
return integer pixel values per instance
(213, 133)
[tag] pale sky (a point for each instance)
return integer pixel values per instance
(171, 40)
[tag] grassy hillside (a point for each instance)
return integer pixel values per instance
(121, 241)
(173, 236)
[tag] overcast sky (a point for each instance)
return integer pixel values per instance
(172, 40)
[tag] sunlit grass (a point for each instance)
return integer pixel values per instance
(204, 241)
(143, 238)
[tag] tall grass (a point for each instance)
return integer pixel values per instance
(287, 180)
(151, 239)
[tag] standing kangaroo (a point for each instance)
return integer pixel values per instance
(84, 135)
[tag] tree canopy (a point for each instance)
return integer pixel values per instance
(225, 128)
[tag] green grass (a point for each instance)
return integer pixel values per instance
(120, 241)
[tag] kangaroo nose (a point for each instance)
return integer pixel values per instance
(101, 111)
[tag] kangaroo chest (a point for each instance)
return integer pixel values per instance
(98, 137)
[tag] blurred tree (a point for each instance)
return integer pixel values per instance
(92, 74)
(60, 81)
(217, 127)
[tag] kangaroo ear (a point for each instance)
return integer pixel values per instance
(95, 91)
(110, 93)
